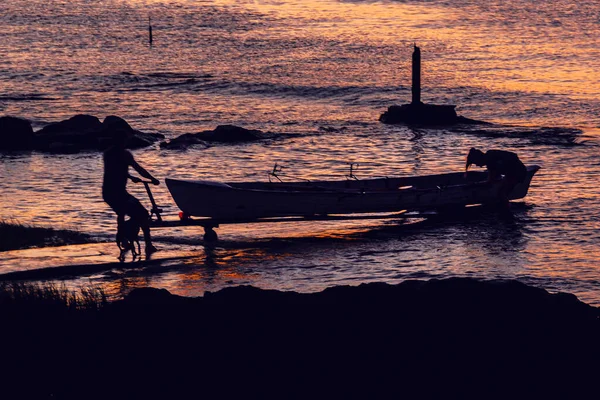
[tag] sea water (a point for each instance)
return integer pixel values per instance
(317, 74)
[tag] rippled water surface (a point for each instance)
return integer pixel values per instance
(318, 74)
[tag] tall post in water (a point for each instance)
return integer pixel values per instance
(416, 76)
(150, 30)
(418, 112)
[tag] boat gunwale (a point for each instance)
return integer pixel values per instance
(229, 186)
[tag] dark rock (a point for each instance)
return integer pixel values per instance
(77, 125)
(143, 139)
(61, 147)
(113, 125)
(221, 134)
(424, 114)
(182, 142)
(86, 132)
(470, 121)
(231, 134)
(419, 113)
(15, 134)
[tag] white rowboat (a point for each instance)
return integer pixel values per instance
(245, 201)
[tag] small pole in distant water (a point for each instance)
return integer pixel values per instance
(150, 30)
(416, 75)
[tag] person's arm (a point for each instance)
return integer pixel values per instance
(134, 179)
(140, 170)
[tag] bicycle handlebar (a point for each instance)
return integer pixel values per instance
(139, 180)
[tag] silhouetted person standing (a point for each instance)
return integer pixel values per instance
(499, 163)
(117, 160)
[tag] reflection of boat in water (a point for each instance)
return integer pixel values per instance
(249, 201)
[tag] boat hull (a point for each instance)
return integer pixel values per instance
(228, 202)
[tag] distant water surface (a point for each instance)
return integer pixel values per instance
(319, 73)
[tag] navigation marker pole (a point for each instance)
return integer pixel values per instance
(150, 29)
(416, 76)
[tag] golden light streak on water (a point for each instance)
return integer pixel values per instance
(318, 73)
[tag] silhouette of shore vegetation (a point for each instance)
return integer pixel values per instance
(451, 338)
(15, 235)
(51, 297)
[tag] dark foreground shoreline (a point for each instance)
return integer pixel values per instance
(455, 337)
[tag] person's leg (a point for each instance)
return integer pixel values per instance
(140, 215)
(118, 205)
(123, 244)
(508, 184)
(145, 225)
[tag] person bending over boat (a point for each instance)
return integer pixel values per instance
(117, 160)
(499, 163)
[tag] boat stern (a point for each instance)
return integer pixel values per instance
(521, 189)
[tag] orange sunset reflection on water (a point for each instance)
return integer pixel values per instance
(316, 74)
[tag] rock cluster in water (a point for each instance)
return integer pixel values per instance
(424, 114)
(227, 134)
(79, 133)
(419, 113)
(15, 134)
(453, 338)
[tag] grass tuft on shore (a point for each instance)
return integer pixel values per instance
(50, 296)
(15, 236)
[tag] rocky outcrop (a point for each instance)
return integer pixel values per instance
(227, 134)
(86, 132)
(183, 142)
(15, 134)
(77, 125)
(113, 125)
(425, 114)
(231, 134)
(419, 113)
(79, 133)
